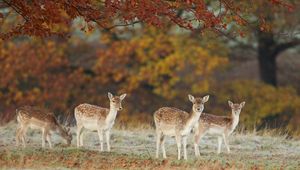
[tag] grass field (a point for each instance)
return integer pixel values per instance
(135, 149)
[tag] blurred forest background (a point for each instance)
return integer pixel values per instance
(157, 67)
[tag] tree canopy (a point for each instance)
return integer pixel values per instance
(154, 64)
(45, 18)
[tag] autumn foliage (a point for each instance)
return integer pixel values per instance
(45, 18)
(155, 67)
(160, 62)
(34, 75)
(154, 60)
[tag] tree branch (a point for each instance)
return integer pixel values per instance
(123, 25)
(16, 9)
(284, 46)
(230, 37)
(3, 5)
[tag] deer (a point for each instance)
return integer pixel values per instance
(39, 118)
(95, 118)
(220, 126)
(170, 121)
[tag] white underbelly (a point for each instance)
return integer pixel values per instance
(34, 126)
(168, 130)
(92, 124)
(37, 124)
(216, 131)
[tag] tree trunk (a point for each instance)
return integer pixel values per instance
(267, 58)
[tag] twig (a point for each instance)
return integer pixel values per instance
(122, 25)
(16, 9)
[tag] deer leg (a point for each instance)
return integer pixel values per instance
(81, 137)
(219, 144)
(23, 134)
(18, 135)
(178, 141)
(184, 147)
(48, 137)
(43, 137)
(100, 134)
(107, 135)
(162, 143)
(79, 133)
(225, 137)
(196, 148)
(197, 138)
(158, 137)
(23, 138)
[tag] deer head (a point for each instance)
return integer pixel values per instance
(236, 107)
(116, 101)
(66, 134)
(198, 103)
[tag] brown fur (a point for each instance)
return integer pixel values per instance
(88, 110)
(42, 118)
(221, 126)
(210, 119)
(28, 112)
(171, 115)
(170, 121)
(98, 119)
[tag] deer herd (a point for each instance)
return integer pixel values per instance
(169, 121)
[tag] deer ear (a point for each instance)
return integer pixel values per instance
(110, 96)
(205, 98)
(242, 104)
(191, 98)
(230, 103)
(123, 96)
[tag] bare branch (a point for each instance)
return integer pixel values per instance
(3, 5)
(234, 39)
(16, 9)
(284, 46)
(123, 25)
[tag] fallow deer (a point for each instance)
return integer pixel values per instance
(170, 121)
(221, 126)
(38, 118)
(98, 119)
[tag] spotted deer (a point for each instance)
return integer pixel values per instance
(220, 126)
(39, 118)
(170, 121)
(98, 119)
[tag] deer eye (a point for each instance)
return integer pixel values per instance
(114, 101)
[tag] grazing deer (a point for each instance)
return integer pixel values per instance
(98, 119)
(38, 118)
(221, 126)
(170, 121)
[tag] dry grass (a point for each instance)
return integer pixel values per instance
(134, 149)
